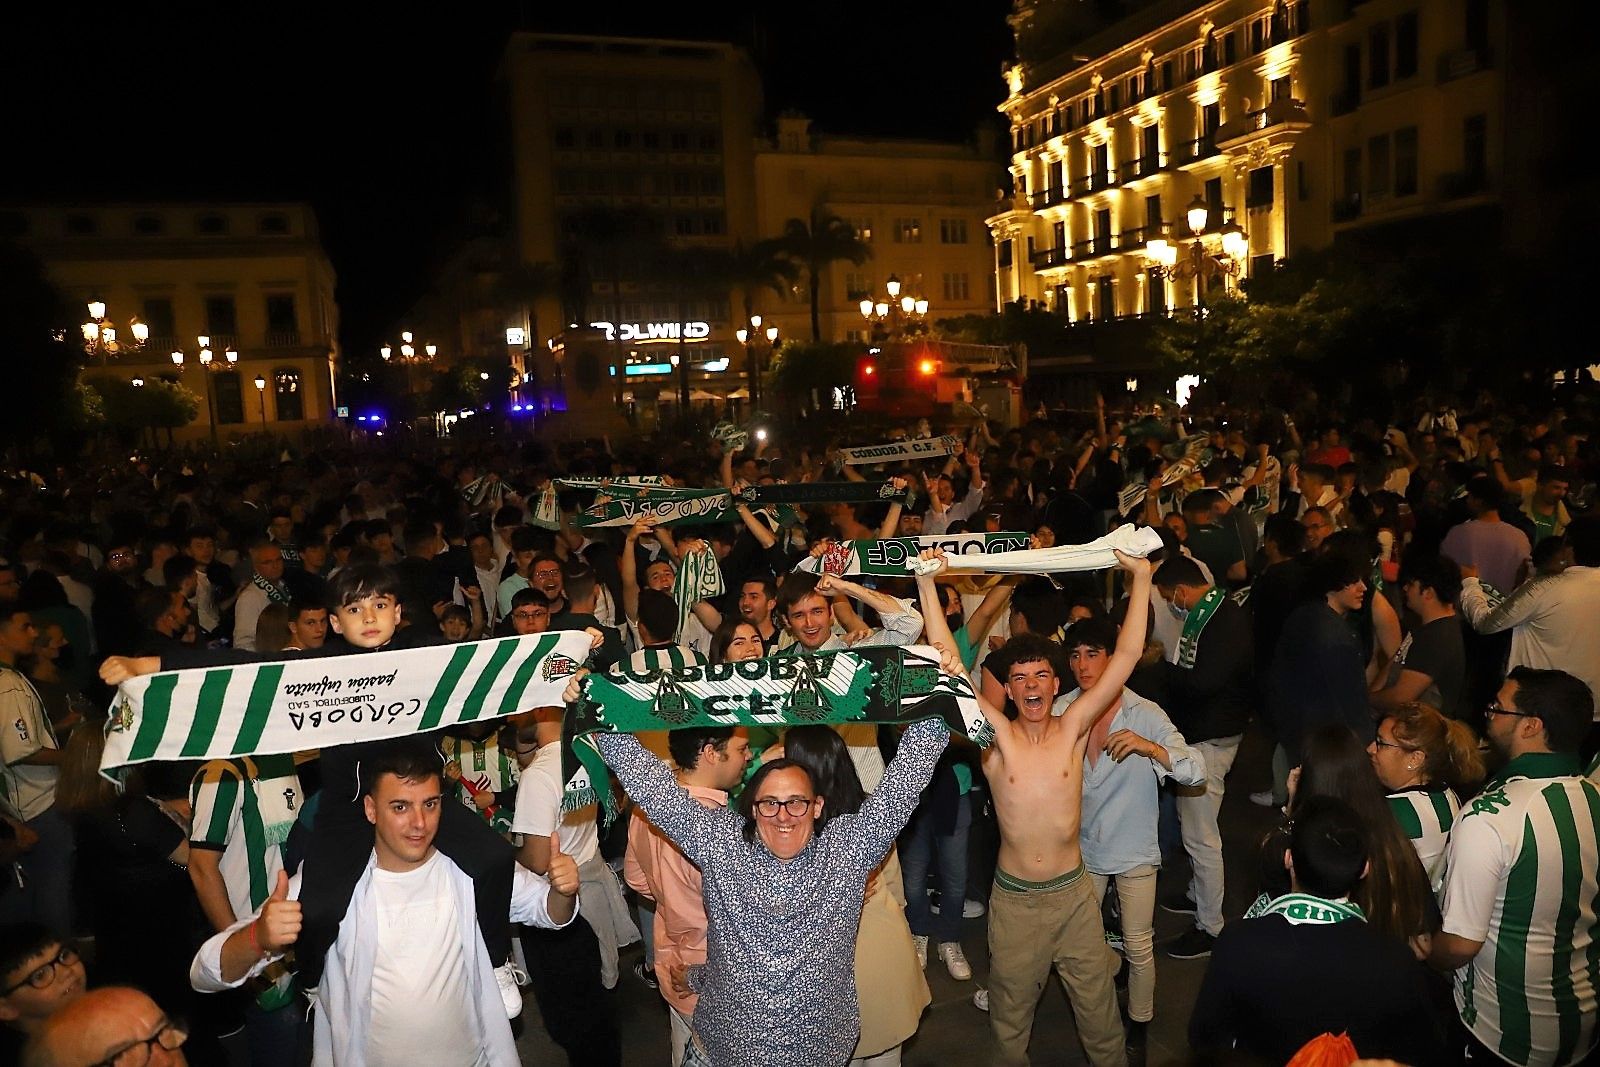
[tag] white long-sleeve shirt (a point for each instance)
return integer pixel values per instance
(344, 996)
(935, 521)
(1551, 619)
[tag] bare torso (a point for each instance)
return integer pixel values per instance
(1037, 785)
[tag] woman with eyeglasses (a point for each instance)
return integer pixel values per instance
(783, 898)
(886, 957)
(1426, 762)
(1395, 893)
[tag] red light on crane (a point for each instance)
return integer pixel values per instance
(869, 369)
(927, 367)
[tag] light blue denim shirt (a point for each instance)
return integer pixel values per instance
(1121, 800)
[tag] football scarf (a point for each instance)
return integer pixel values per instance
(878, 685)
(318, 702)
(895, 451)
(889, 556)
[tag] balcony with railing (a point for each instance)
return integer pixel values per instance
(1194, 151)
(1143, 167)
(1045, 258)
(283, 338)
(1344, 101)
(1048, 198)
(1463, 183)
(1461, 62)
(1103, 244)
(1345, 208)
(1280, 116)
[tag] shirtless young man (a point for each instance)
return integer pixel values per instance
(1043, 911)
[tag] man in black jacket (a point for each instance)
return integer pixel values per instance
(1211, 689)
(1308, 964)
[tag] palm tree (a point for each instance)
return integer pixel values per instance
(605, 243)
(814, 245)
(753, 267)
(694, 272)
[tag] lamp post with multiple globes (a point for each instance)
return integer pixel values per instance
(409, 354)
(261, 394)
(1198, 261)
(210, 364)
(751, 338)
(901, 315)
(100, 333)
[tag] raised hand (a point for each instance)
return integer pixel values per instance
(1134, 565)
(118, 669)
(574, 688)
(563, 871)
(278, 925)
(932, 555)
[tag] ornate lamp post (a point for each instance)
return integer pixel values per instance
(751, 339)
(1198, 261)
(901, 315)
(210, 364)
(100, 334)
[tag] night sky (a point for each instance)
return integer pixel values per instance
(391, 124)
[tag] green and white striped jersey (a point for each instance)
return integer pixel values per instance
(244, 808)
(664, 658)
(1523, 877)
(1426, 816)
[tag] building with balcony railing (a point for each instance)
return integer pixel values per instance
(252, 278)
(1296, 121)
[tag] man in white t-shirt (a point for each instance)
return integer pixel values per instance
(570, 969)
(408, 975)
(30, 760)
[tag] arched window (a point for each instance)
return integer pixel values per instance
(290, 400)
(211, 225)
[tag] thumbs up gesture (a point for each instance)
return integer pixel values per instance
(563, 870)
(278, 925)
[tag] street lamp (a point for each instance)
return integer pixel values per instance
(210, 364)
(902, 315)
(751, 339)
(1199, 262)
(410, 354)
(261, 393)
(138, 383)
(100, 334)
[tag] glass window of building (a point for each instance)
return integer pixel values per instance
(286, 392)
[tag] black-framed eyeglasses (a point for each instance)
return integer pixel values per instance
(1381, 743)
(1494, 708)
(530, 615)
(767, 807)
(172, 1034)
(43, 975)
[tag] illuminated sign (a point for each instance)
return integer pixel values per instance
(654, 331)
(516, 335)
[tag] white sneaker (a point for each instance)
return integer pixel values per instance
(507, 976)
(921, 942)
(955, 961)
(972, 909)
(1262, 799)
(980, 999)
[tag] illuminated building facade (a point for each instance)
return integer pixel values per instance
(251, 278)
(919, 205)
(614, 136)
(1291, 123)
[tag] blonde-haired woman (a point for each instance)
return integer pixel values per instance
(1426, 763)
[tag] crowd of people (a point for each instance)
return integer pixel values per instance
(1404, 610)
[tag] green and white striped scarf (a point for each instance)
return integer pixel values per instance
(699, 578)
(276, 594)
(1303, 909)
(1194, 625)
(895, 685)
(318, 702)
(888, 556)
